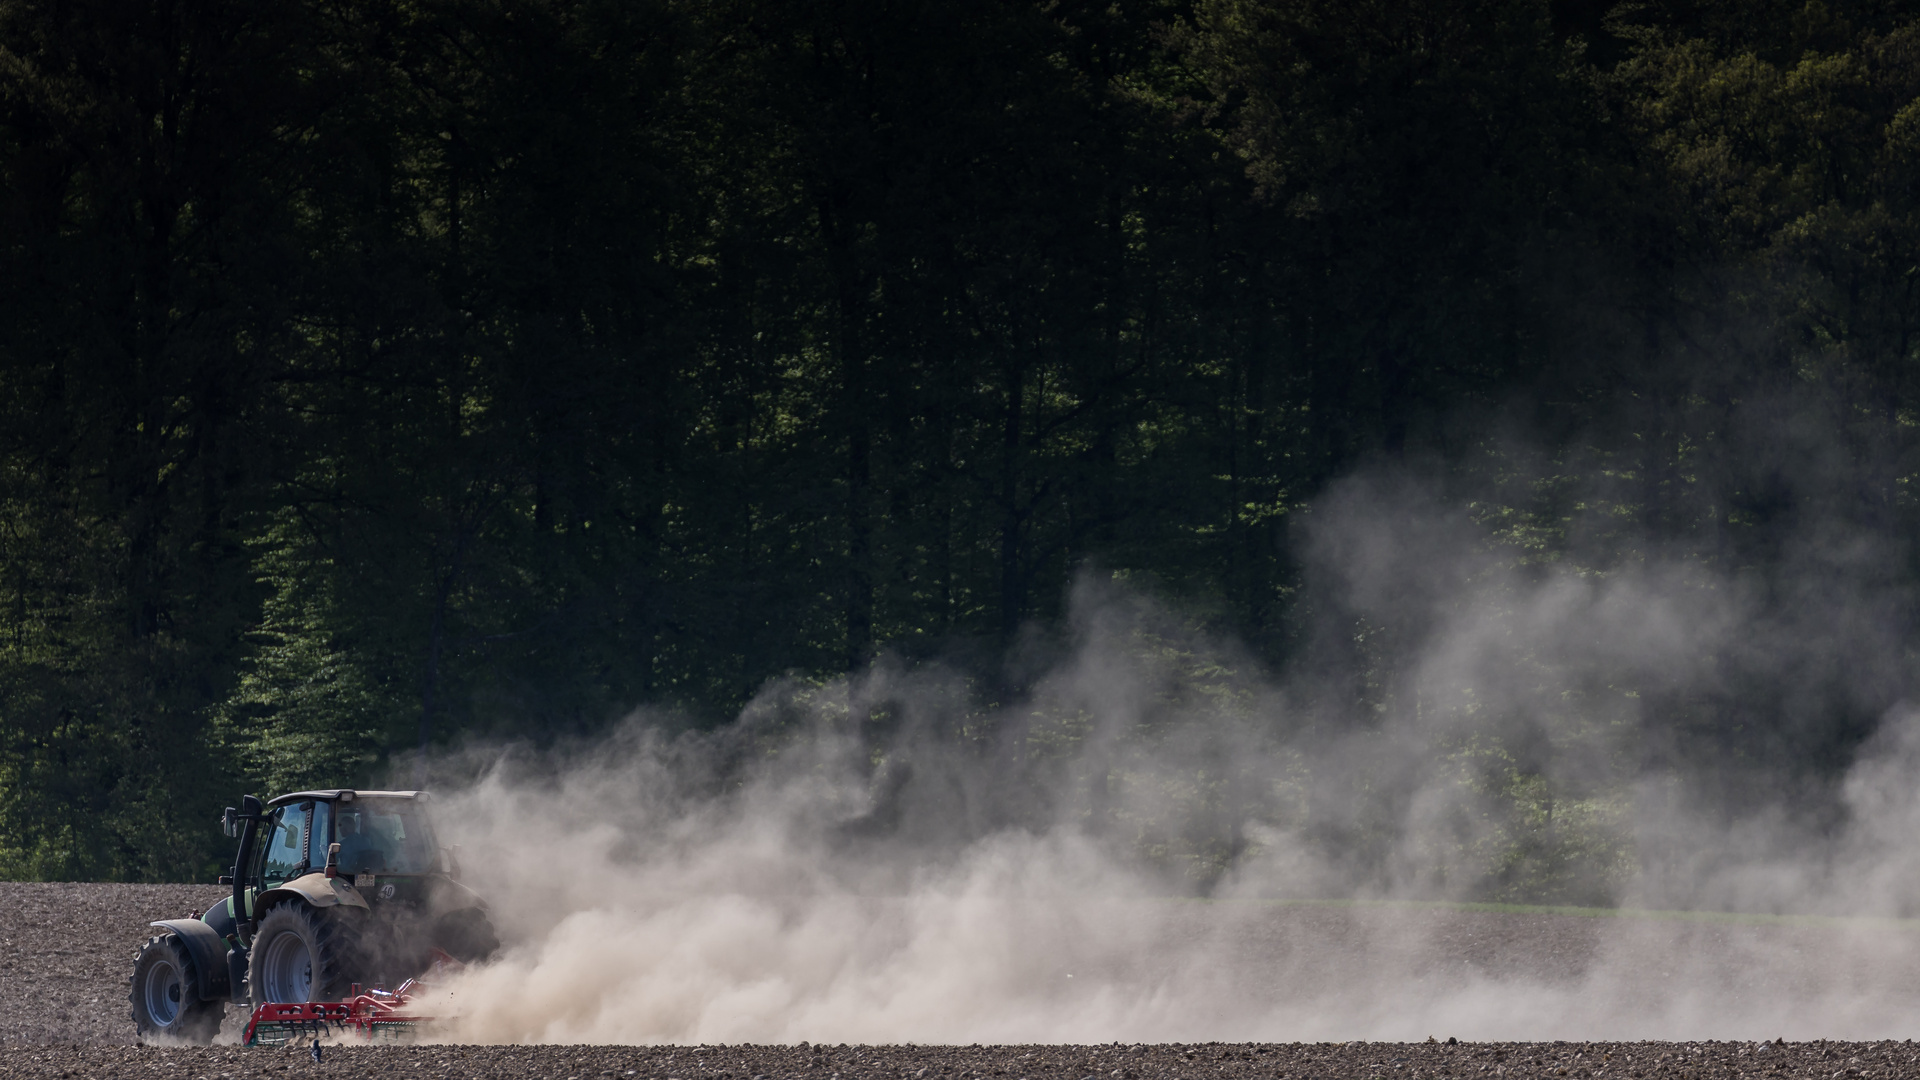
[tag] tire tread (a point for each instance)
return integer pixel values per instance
(335, 937)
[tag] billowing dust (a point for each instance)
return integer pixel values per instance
(1150, 839)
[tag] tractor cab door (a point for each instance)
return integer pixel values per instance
(278, 853)
(285, 856)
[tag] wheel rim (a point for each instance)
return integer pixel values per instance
(288, 969)
(163, 992)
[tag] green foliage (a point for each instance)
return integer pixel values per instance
(307, 708)
(377, 373)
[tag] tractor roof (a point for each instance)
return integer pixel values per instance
(349, 794)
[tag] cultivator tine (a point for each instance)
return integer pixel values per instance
(370, 1017)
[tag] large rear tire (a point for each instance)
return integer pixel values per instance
(303, 954)
(165, 992)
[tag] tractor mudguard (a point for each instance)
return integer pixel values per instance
(208, 950)
(446, 894)
(220, 917)
(317, 889)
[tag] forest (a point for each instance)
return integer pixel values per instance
(381, 374)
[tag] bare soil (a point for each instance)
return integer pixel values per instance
(1214, 1061)
(66, 951)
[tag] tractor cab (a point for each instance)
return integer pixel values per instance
(379, 844)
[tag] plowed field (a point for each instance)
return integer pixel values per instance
(1385, 1061)
(65, 951)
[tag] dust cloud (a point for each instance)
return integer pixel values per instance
(1143, 836)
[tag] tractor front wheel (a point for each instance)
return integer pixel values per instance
(166, 996)
(302, 954)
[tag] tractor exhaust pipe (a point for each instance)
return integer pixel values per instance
(250, 810)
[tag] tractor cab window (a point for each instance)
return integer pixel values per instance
(286, 852)
(319, 826)
(383, 836)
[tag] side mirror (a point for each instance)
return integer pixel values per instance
(230, 822)
(333, 860)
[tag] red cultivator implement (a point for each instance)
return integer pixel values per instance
(373, 1015)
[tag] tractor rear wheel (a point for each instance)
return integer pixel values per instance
(165, 992)
(303, 954)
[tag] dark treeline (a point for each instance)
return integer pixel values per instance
(377, 372)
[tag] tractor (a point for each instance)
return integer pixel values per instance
(333, 891)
